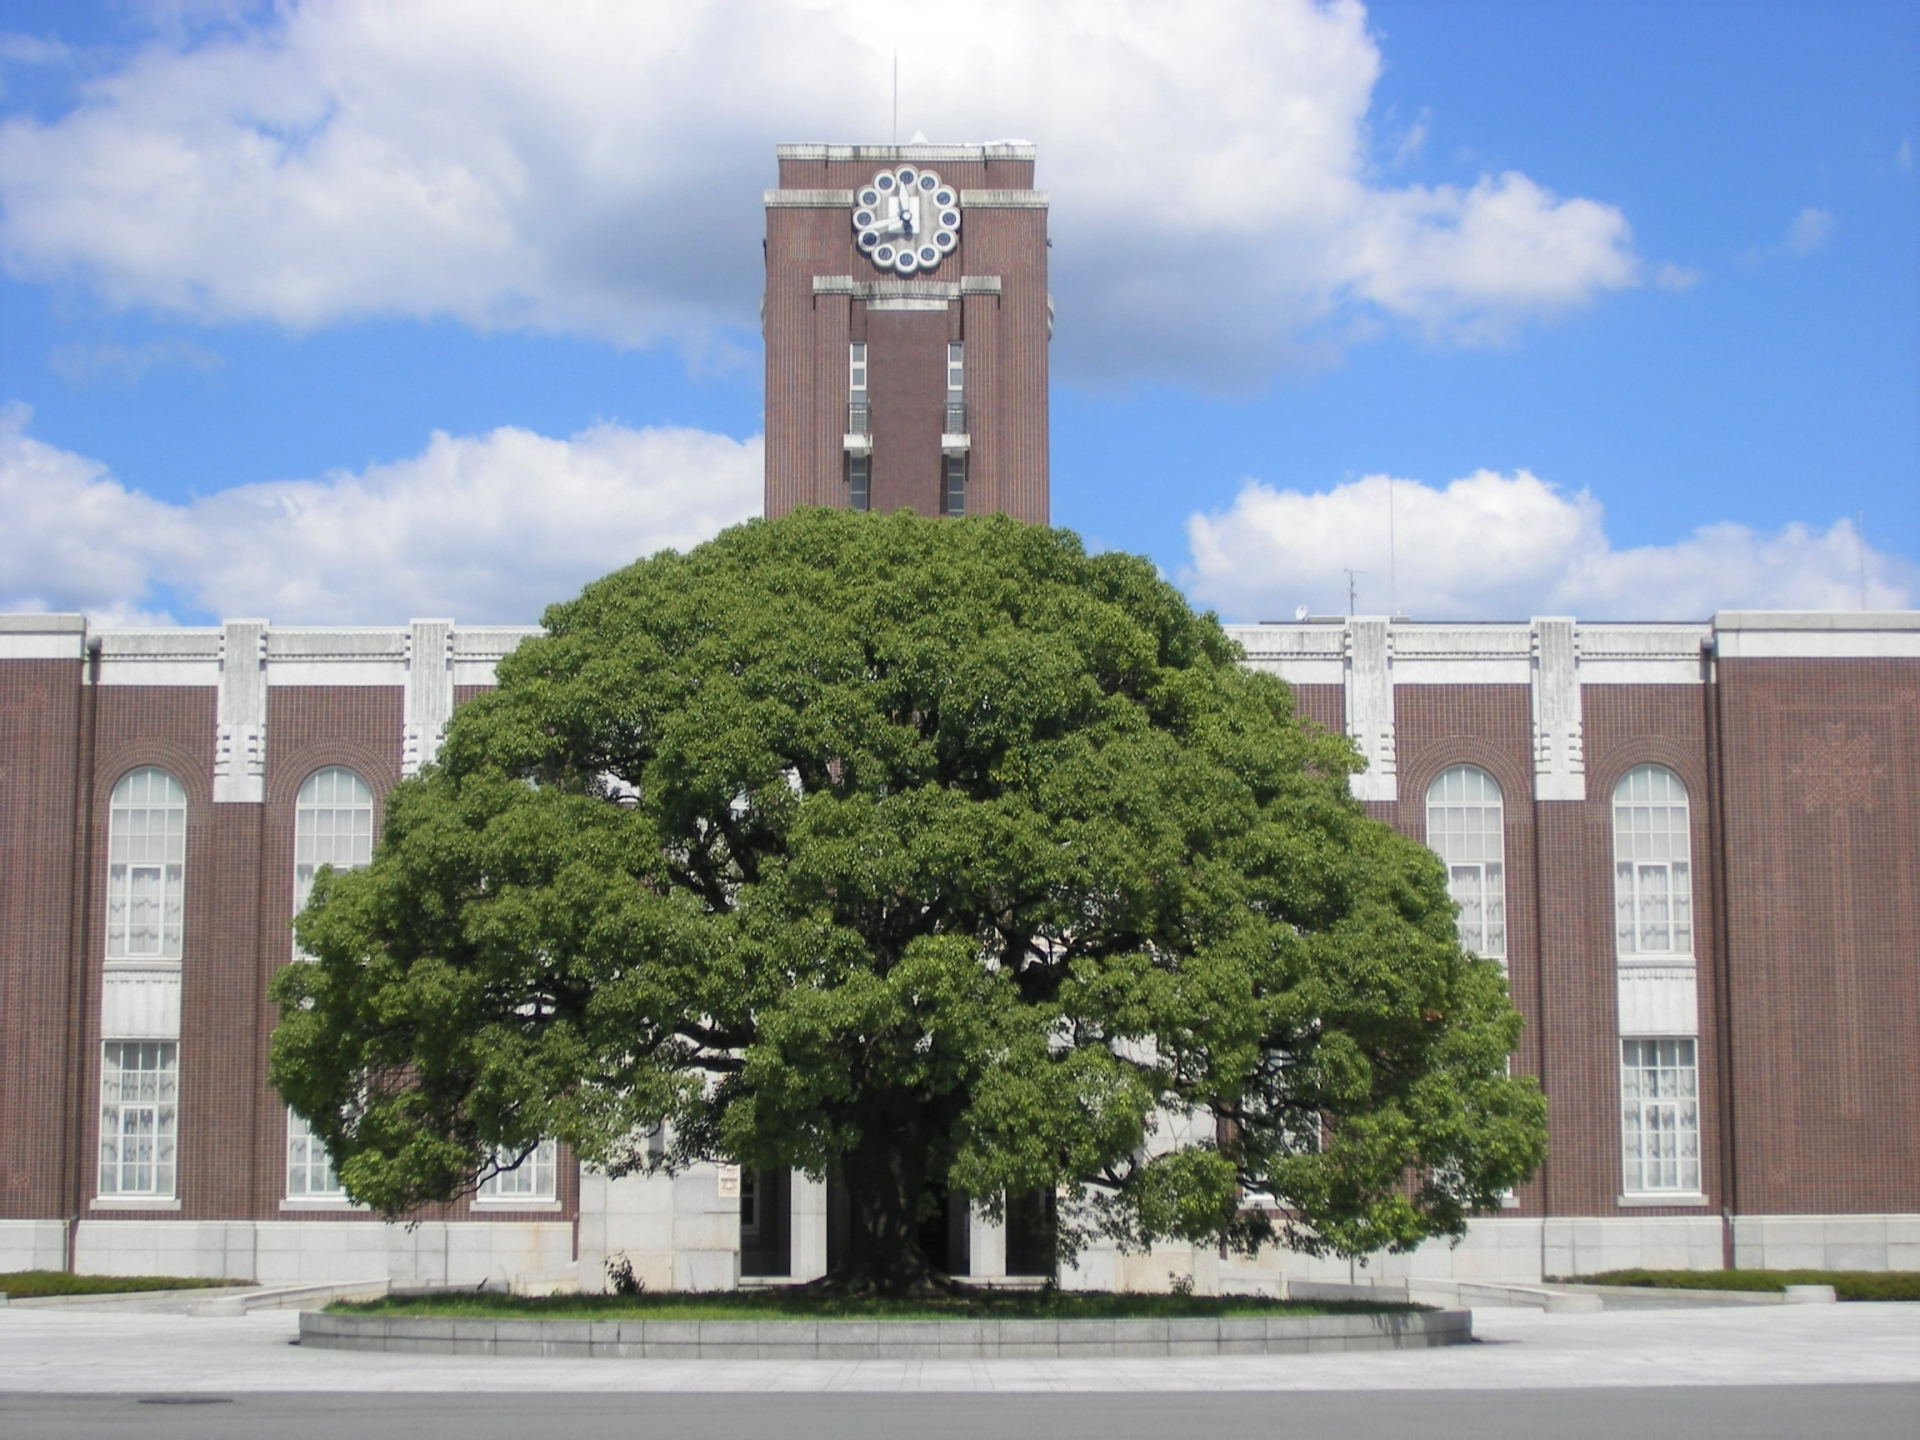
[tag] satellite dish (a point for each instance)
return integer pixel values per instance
(1299, 612)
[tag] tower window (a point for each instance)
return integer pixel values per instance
(859, 478)
(953, 489)
(956, 421)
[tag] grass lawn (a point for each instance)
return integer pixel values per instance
(1847, 1284)
(785, 1305)
(32, 1284)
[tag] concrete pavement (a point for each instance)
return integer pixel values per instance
(102, 1353)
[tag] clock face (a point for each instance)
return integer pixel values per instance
(906, 220)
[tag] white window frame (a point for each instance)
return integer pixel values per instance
(857, 369)
(146, 866)
(1660, 1117)
(1466, 828)
(1652, 867)
(139, 1119)
(956, 369)
(533, 1184)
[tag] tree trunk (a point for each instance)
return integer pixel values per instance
(886, 1184)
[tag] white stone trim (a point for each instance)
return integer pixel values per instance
(140, 1003)
(240, 715)
(1657, 1001)
(1462, 654)
(43, 637)
(1559, 747)
(135, 1202)
(1654, 1199)
(337, 655)
(1642, 654)
(919, 154)
(478, 649)
(809, 199)
(1369, 681)
(908, 302)
(884, 294)
(1312, 654)
(428, 703)
(1003, 200)
(160, 657)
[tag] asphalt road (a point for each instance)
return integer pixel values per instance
(1750, 1412)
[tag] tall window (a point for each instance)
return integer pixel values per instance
(1659, 1116)
(310, 1174)
(953, 496)
(139, 1116)
(859, 481)
(1652, 886)
(956, 421)
(533, 1179)
(1464, 827)
(857, 416)
(332, 825)
(146, 865)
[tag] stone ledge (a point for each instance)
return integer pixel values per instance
(886, 1339)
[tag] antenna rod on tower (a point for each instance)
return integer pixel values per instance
(1393, 561)
(1353, 590)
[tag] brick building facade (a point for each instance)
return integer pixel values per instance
(1694, 847)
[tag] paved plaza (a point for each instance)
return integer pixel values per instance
(89, 1351)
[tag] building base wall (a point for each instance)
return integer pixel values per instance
(32, 1245)
(678, 1232)
(1826, 1242)
(523, 1255)
(1524, 1251)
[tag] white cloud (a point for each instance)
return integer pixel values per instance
(596, 170)
(1676, 277)
(80, 363)
(491, 527)
(1509, 546)
(1807, 235)
(1810, 230)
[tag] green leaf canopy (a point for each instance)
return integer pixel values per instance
(937, 856)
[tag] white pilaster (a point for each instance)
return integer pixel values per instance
(429, 698)
(1559, 754)
(1369, 676)
(240, 714)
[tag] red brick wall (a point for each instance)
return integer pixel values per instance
(1006, 336)
(40, 730)
(1822, 767)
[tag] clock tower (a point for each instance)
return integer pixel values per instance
(906, 322)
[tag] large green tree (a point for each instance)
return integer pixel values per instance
(930, 855)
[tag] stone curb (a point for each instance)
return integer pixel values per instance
(885, 1339)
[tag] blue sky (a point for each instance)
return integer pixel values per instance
(1699, 378)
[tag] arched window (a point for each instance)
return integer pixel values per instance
(1652, 882)
(146, 865)
(332, 825)
(1464, 827)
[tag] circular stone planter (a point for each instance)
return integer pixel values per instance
(886, 1339)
